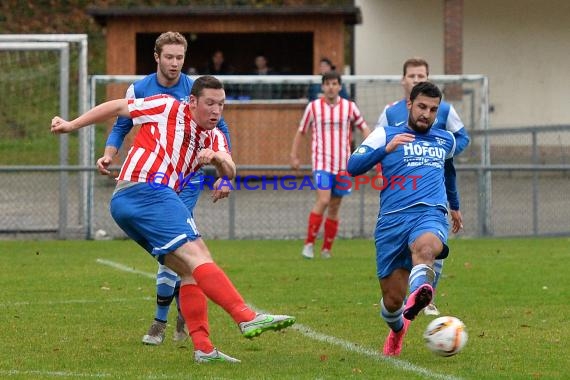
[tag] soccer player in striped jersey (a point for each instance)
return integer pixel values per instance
(175, 140)
(330, 118)
(412, 226)
(169, 53)
(416, 70)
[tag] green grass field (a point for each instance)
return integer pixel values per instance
(43, 148)
(66, 313)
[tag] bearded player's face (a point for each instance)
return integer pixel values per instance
(422, 113)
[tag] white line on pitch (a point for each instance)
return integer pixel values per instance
(125, 268)
(310, 333)
(69, 302)
(73, 375)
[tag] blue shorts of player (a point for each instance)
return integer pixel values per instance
(340, 185)
(191, 192)
(395, 232)
(155, 218)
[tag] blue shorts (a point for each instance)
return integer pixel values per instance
(191, 191)
(396, 232)
(155, 218)
(340, 185)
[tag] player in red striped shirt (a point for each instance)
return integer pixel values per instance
(331, 118)
(174, 140)
(160, 153)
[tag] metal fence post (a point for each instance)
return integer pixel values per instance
(232, 217)
(63, 141)
(534, 185)
(481, 204)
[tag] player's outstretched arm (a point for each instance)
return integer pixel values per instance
(122, 126)
(364, 158)
(100, 113)
(373, 150)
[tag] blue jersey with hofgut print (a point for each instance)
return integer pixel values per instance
(414, 172)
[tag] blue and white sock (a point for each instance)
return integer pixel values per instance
(394, 319)
(438, 268)
(165, 284)
(420, 274)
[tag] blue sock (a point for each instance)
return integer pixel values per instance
(420, 274)
(438, 268)
(165, 284)
(394, 319)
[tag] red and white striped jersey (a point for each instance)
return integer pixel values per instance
(331, 132)
(165, 148)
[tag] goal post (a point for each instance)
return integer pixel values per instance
(39, 80)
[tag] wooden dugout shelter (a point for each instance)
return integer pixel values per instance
(295, 37)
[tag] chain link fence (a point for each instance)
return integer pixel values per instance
(512, 182)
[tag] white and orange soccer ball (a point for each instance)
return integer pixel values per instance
(445, 336)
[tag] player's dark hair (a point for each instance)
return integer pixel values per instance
(425, 88)
(328, 62)
(415, 62)
(331, 75)
(205, 81)
(169, 38)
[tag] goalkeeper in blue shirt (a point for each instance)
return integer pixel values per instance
(416, 70)
(169, 54)
(412, 227)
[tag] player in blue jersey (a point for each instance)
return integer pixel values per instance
(416, 70)
(169, 53)
(412, 225)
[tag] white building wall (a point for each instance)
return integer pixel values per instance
(523, 46)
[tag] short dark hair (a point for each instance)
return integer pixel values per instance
(425, 88)
(331, 75)
(205, 81)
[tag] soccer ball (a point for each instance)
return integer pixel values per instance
(445, 336)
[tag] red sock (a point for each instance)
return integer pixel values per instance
(331, 228)
(194, 308)
(315, 221)
(218, 287)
